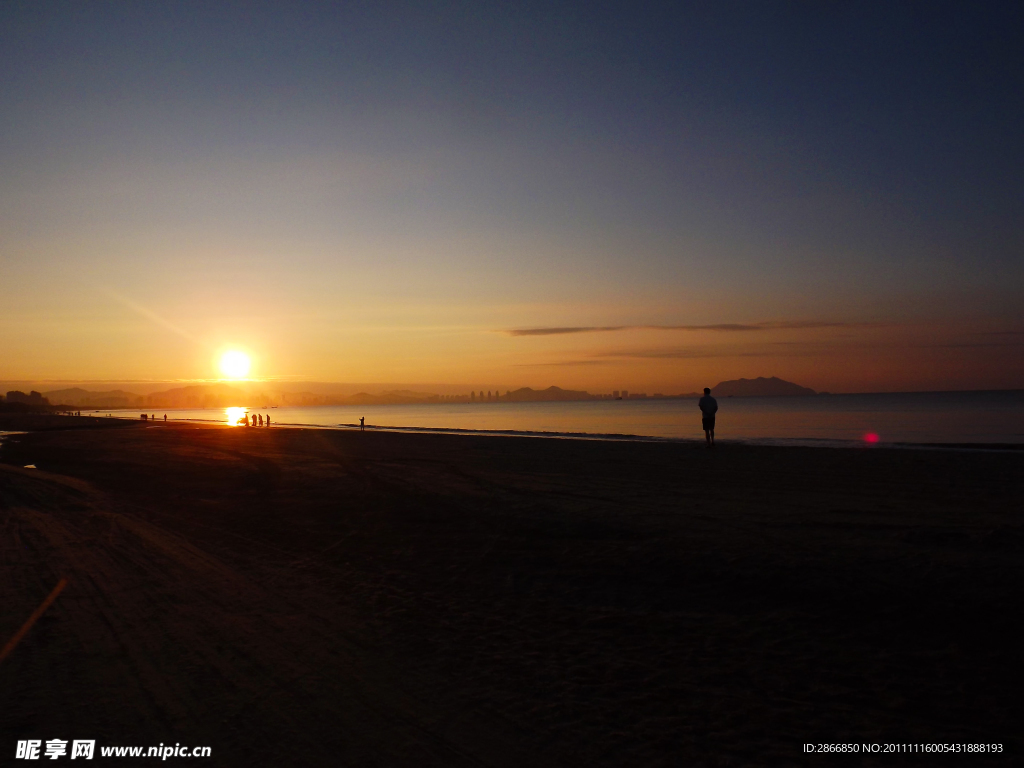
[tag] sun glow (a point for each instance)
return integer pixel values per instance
(235, 364)
(235, 415)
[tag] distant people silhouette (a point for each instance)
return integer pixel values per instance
(165, 418)
(708, 408)
(362, 425)
(268, 419)
(260, 416)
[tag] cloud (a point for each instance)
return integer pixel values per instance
(976, 344)
(791, 325)
(560, 331)
(716, 327)
(607, 358)
(679, 354)
(562, 363)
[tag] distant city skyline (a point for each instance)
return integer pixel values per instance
(652, 198)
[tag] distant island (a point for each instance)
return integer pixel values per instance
(760, 387)
(221, 395)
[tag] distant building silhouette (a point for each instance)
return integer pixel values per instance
(32, 398)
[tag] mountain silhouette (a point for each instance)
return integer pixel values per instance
(760, 387)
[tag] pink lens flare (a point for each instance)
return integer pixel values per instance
(871, 437)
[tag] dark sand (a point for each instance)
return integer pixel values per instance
(315, 597)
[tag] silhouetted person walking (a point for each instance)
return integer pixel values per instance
(362, 420)
(708, 408)
(165, 418)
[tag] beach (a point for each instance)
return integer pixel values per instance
(829, 420)
(332, 597)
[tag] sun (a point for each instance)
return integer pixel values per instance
(235, 364)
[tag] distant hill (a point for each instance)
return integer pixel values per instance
(409, 394)
(198, 396)
(392, 397)
(83, 398)
(760, 387)
(256, 394)
(551, 394)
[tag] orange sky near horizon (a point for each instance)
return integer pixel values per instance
(664, 198)
(100, 335)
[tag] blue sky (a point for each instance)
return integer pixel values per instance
(382, 191)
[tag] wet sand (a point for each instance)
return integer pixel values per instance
(318, 597)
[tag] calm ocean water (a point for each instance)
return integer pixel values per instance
(934, 417)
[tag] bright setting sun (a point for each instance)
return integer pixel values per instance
(234, 364)
(645, 377)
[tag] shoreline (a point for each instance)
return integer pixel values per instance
(764, 442)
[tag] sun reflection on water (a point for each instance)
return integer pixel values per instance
(236, 415)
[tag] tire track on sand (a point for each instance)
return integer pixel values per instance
(176, 645)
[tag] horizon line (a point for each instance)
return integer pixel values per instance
(472, 389)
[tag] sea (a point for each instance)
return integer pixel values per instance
(990, 418)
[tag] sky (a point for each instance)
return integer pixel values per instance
(596, 195)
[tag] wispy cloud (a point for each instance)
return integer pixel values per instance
(977, 344)
(561, 331)
(562, 363)
(679, 354)
(147, 313)
(715, 327)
